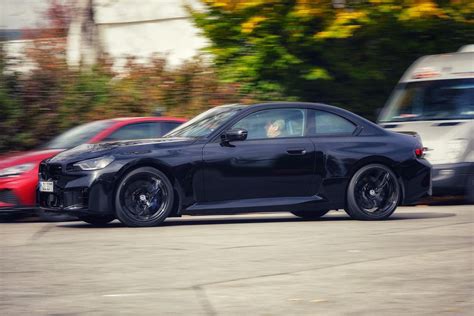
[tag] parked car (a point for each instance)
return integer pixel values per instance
(19, 172)
(435, 99)
(300, 157)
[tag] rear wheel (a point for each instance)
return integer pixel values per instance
(373, 193)
(144, 198)
(310, 214)
(97, 220)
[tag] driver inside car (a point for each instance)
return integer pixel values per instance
(274, 128)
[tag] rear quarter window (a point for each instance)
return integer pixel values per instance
(326, 123)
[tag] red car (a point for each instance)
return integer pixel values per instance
(19, 171)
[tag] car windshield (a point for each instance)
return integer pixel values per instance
(77, 135)
(205, 123)
(431, 100)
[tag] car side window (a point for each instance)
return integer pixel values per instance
(166, 127)
(326, 123)
(135, 131)
(274, 123)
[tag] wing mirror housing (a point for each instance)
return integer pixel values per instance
(232, 135)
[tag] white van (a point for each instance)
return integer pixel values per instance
(435, 99)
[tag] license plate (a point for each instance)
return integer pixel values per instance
(46, 186)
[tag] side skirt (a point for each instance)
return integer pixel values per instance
(280, 204)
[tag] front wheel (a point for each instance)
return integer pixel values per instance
(144, 198)
(309, 215)
(373, 193)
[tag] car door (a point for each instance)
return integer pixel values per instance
(333, 135)
(276, 159)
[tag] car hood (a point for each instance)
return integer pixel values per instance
(35, 156)
(89, 151)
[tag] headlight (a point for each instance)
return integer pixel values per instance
(456, 148)
(94, 164)
(16, 170)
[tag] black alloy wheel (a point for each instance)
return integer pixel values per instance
(144, 198)
(373, 193)
(309, 215)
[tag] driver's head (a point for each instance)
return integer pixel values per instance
(274, 127)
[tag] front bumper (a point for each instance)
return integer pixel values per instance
(18, 194)
(452, 178)
(87, 193)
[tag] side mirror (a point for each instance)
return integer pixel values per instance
(235, 134)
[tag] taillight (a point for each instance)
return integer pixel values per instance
(420, 152)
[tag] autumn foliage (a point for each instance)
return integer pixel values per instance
(349, 53)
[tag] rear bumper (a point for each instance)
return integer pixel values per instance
(416, 177)
(452, 178)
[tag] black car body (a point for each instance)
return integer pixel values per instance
(227, 168)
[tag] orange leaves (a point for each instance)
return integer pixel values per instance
(249, 25)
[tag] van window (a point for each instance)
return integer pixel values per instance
(431, 100)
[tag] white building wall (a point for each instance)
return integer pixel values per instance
(144, 28)
(177, 40)
(17, 60)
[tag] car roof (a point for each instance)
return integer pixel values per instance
(147, 118)
(369, 126)
(456, 65)
(316, 106)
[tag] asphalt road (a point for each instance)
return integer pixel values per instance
(420, 262)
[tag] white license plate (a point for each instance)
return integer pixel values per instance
(46, 186)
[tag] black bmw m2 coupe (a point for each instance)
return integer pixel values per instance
(302, 158)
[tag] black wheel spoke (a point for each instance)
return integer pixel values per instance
(382, 183)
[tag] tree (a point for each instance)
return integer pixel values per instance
(348, 53)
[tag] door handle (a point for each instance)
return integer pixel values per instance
(296, 151)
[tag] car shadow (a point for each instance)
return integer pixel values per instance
(449, 200)
(251, 219)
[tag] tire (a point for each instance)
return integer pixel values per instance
(97, 220)
(54, 217)
(373, 193)
(144, 198)
(309, 215)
